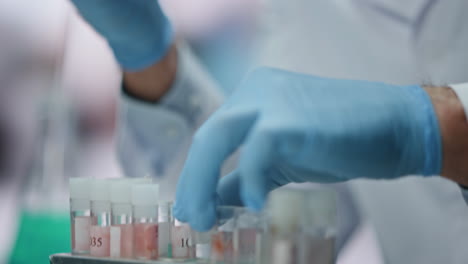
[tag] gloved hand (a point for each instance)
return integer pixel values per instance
(298, 128)
(137, 31)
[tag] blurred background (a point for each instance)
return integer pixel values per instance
(59, 86)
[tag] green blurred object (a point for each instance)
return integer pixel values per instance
(41, 234)
(169, 250)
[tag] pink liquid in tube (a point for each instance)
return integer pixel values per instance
(121, 241)
(222, 247)
(146, 240)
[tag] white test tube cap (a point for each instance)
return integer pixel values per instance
(100, 190)
(285, 207)
(145, 194)
(203, 251)
(121, 189)
(80, 188)
(121, 192)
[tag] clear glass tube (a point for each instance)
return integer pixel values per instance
(250, 228)
(301, 247)
(283, 249)
(314, 248)
(223, 238)
(301, 228)
(164, 222)
(145, 231)
(237, 236)
(202, 245)
(121, 231)
(100, 229)
(80, 221)
(182, 240)
(316, 239)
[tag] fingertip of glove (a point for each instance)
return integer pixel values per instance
(204, 219)
(179, 213)
(254, 202)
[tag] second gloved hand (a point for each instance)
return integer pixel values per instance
(137, 31)
(298, 128)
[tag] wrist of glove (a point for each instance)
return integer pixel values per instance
(138, 32)
(296, 128)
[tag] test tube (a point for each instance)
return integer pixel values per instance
(182, 243)
(284, 208)
(100, 219)
(80, 212)
(203, 245)
(250, 229)
(318, 228)
(164, 222)
(121, 230)
(236, 237)
(224, 239)
(301, 227)
(145, 219)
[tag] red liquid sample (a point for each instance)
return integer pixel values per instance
(146, 240)
(222, 247)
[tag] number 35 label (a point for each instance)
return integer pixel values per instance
(99, 241)
(96, 241)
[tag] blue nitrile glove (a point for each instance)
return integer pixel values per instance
(137, 31)
(298, 128)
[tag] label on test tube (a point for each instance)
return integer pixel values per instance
(100, 241)
(81, 233)
(182, 244)
(115, 241)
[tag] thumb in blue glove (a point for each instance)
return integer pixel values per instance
(137, 31)
(298, 128)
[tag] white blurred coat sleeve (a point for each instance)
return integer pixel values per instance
(462, 92)
(150, 136)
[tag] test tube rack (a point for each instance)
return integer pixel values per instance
(67, 258)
